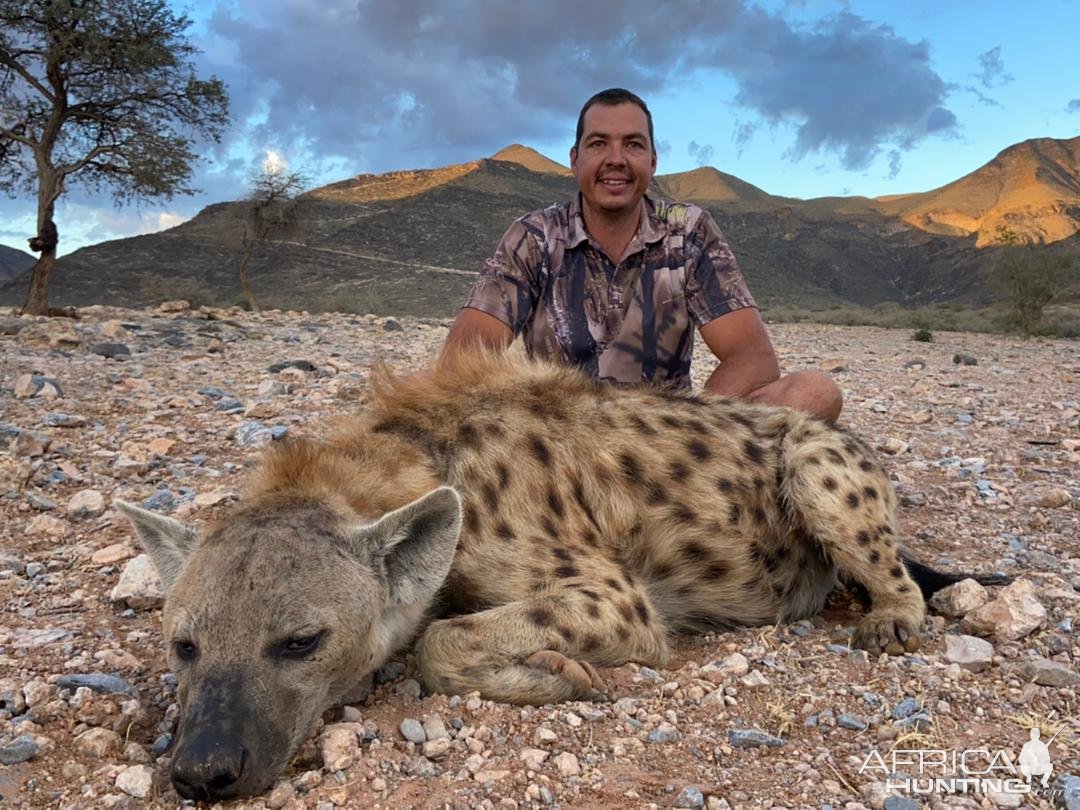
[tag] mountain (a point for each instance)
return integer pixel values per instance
(1032, 188)
(14, 262)
(411, 241)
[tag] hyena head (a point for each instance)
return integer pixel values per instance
(278, 613)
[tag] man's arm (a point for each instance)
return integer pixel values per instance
(747, 359)
(472, 328)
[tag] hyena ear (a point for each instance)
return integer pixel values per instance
(168, 541)
(415, 544)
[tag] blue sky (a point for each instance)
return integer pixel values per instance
(802, 99)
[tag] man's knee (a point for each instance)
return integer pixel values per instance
(815, 391)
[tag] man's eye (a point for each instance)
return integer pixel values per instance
(300, 646)
(186, 650)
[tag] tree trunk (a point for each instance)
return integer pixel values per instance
(50, 184)
(37, 300)
(245, 285)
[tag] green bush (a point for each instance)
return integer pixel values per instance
(923, 336)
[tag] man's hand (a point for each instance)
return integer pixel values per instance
(473, 327)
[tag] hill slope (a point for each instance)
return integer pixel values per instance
(1032, 188)
(14, 262)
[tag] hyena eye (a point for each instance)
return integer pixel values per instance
(186, 650)
(300, 646)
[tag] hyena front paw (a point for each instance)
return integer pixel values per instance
(883, 631)
(581, 675)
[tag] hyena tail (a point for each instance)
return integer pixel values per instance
(931, 581)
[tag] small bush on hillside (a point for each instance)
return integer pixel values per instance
(923, 336)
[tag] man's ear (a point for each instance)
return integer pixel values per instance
(415, 544)
(573, 157)
(168, 541)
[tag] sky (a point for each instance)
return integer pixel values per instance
(803, 99)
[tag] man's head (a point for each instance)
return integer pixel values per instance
(613, 156)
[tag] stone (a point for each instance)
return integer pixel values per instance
(160, 446)
(690, 797)
(754, 679)
(567, 764)
(1015, 613)
(104, 684)
(63, 420)
(281, 795)
(959, 599)
(412, 731)
(110, 555)
(139, 586)
(752, 738)
(302, 365)
(905, 708)
(894, 446)
(99, 743)
(30, 444)
(40, 502)
(114, 351)
(340, 747)
(10, 561)
(27, 385)
(961, 359)
(664, 733)
(433, 749)
(900, 803)
(177, 305)
(392, 325)
(1068, 796)
(86, 504)
(735, 665)
(852, 722)
(1055, 498)
(434, 729)
(533, 757)
(833, 365)
(253, 435)
(21, 749)
(12, 700)
(1049, 673)
(47, 525)
(968, 652)
(136, 781)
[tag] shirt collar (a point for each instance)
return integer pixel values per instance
(650, 229)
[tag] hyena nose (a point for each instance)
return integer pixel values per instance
(210, 777)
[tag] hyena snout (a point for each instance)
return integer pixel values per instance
(209, 768)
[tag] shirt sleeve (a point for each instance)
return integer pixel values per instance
(714, 283)
(508, 286)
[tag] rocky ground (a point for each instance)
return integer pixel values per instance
(166, 408)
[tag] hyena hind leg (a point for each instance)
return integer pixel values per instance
(843, 499)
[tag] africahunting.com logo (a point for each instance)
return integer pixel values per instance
(975, 771)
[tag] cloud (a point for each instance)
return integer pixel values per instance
(894, 163)
(743, 134)
(702, 155)
(378, 85)
(663, 148)
(982, 97)
(992, 73)
(1073, 106)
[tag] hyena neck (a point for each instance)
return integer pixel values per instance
(360, 476)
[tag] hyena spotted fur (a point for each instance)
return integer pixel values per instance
(527, 525)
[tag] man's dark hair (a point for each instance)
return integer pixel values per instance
(610, 98)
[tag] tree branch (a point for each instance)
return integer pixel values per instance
(27, 76)
(15, 136)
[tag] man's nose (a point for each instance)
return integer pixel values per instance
(616, 155)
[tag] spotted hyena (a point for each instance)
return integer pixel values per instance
(528, 525)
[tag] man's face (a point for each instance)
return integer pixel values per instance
(614, 161)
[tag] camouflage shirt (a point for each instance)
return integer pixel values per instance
(626, 324)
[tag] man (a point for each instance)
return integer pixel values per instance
(614, 281)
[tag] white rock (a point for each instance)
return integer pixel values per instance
(959, 599)
(968, 652)
(434, 727)
(98, 743)
(340, 748)
(87, 503)
(754, 679)
(533, 757)
(136, 781)
(1012, 615)
(139, 586)
(567, 764)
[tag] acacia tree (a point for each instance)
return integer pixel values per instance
(1028, 276)
(103, 93)
(270, 214)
